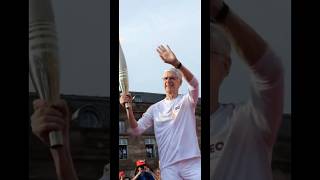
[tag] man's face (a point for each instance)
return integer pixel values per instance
(171, 82)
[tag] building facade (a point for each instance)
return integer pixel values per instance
(89, 139)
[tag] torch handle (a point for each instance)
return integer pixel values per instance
(56, 140)
(127, 105)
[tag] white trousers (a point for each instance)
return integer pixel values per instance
(189, 169)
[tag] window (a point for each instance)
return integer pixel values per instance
(137, 98)
(122, 127)
(123, 148)
(89, 119)
(150, 147)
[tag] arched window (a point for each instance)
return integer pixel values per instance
(137, 98)
(89, 119)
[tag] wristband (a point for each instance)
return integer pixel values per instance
(179, 66)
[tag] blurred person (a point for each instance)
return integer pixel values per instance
(122, 175)
(142, 172)
(242, 135)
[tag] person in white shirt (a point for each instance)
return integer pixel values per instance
(174, 122)
(242, 135)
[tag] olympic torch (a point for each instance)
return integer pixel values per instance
(123, 75)
(43, 57)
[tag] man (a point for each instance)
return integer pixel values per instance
(174, 122)
(242, 135)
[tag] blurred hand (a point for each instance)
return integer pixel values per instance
(167, 55)
(125, 98)
(50, 118)
(139, 172)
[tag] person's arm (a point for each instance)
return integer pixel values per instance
(55, 118)
(63, 163)
(266, 102)
(131, 119)
(136, 176)
(245, 39)
(267, 94)
(143, 123)
(193, 84)
(167, 55)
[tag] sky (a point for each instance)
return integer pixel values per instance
(272, 20)
(84, 46)
(144, 25)
(84, 43)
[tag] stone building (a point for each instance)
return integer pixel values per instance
(89, 139)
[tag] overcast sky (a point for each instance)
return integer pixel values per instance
(84, 46)
(144, 25)
(272, 20)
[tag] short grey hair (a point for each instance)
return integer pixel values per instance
(175, 71)
(218, 40)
